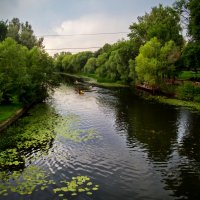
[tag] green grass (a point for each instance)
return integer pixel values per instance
(92, 79)
(6, 111)
(185, 75)
(176, 102)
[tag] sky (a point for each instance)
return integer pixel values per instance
(66, 17)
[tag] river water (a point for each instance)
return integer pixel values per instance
(143, 150)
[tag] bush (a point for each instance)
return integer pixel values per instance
(189, 92)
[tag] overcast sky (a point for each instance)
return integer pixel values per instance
(78, 17)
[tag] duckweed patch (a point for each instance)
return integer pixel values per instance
(65, 130)
(37, 131)
(33, 179)
(77, 185)
(11, 158)
(23, 182)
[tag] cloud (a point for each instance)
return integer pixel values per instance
(93, 23)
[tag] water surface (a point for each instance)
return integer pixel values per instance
(135, 149)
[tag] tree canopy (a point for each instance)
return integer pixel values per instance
(161, 22)
(23, 33)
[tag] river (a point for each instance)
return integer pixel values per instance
(136, 149)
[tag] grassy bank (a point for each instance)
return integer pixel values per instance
(186, 75)
(6, 111)
(93, 80)
(175, 102)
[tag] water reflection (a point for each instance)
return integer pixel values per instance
(169, 136)
(145, 150)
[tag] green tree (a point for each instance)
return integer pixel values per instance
(66, 63)
(191, 55)
(161, 22)
(3, 30)
(189, 11)
(147, 62)
(13, 71)
(169, 55)
(90, 66)
(42, 80)
(101, 65)
(58, 61)
(23, 34)
(194, 20)
(156, 61)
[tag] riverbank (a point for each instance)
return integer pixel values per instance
(93, 80)
(10, 113)
(6, 111)
(174, 102)
(161, 99)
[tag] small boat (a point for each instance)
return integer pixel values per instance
(81, 92)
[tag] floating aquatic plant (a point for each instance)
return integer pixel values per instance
(77, 185)
(9, 157)
(35, 179)
(65, 130)
(36, 132)
(25, 182)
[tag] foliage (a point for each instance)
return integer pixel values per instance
(23, 34)
(25, 75)
(147, 62)
(37, 131)
(191, 55)
(189, 10)
(187, 75)
(66, 62)
(169, 55)
(90, 66)
(155, 62)
(3, 30)
(34, 178)
(7, 111)
(23, 183)
(194, 20)
(189, 92)
(79, 184)
(161, 22)
(13, 70)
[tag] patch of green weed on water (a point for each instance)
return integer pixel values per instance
(25, 182)
(77, 185)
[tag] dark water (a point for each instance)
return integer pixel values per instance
(145, 150)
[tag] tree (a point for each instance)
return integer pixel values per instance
(189, 11)
(191, 52)
(27, 37)
(169, 55)
(161, 22)
(194, 20)
(13, 71)
(66, 63)
(42, 80)
(156, 61)
(147, 62)
(101, 65)
(90, 66)
(23, 34)
(3, 30)
(191, 55)
(13, 29)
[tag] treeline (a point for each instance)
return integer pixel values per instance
(26, 70)
(155, 51)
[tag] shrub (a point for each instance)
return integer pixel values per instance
(189, 92)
